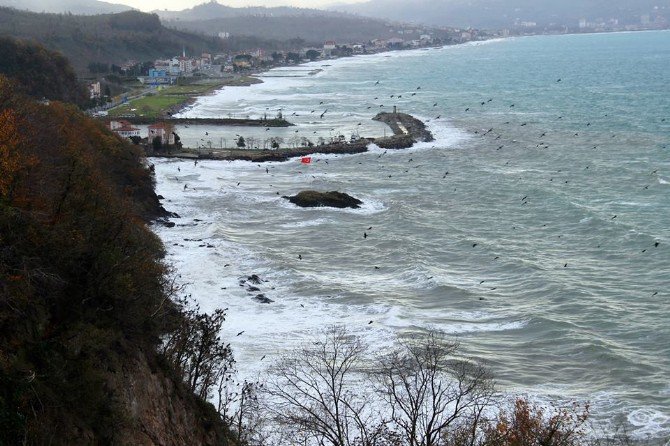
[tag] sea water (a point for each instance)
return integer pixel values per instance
(534, 230)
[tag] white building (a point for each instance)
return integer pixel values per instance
(328, 47)
(94, 90)
(123, 128)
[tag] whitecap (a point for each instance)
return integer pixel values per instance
(649, 422)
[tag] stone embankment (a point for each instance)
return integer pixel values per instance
(407, 130)
(213, 121)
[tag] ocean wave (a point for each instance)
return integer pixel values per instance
(649, 422)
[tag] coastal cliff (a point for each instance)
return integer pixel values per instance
(84, 292)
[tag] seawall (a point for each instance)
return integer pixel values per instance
(407, 130)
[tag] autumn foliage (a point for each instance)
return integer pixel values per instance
(531, 425)
(82, 283)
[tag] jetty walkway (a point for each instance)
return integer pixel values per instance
(407, 130)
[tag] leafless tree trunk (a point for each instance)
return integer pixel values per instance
(313, 393)
(432, 396)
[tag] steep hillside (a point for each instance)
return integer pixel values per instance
(215, 10)
(312, 29)
(108, 38)
(40, 73)
(84, 293)
(278, 24)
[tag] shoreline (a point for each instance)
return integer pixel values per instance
(150, 105)
(251, 78)
(247, 79)
(231, 179)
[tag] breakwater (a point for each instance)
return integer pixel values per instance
(407, 130)
(212, 121)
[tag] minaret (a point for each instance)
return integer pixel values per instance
(183, 52)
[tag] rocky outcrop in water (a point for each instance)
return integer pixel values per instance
(405, 126)
(312, 198)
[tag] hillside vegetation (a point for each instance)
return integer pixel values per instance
(40, 73)
(313, 30)
(108, 38)
(278, 24)
(85, 297)
(63, 6)
(214, 10)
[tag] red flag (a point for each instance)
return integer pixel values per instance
(306, 159)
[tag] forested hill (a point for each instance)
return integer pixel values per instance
(284, 23)
(313, 30)
(214, 10)
(40, 73)
(84, 294)
(108, 38)
(66, 6)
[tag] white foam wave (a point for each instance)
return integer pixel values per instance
(307, 223)
(465, 328)
(649, 422)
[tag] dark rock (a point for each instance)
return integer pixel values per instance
(253, 289)
(254, 279)
(311, 198)
(168, 224)
(160, 197)
(262, 299)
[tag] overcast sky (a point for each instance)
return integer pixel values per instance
(176, 5)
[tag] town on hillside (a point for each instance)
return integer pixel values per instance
(207, 71)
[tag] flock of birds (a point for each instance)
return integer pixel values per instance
(497, 138)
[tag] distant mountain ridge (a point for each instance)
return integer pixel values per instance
(80, 7)
(313, 26)
(505, 13)
(214, 10)
(312, 30)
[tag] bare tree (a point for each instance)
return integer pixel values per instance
(315, 396)
(433, 398)
(239, 408)
(195, 348)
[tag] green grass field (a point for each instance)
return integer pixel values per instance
(155, 104)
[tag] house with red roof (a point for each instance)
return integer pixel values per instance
(123, 128)
(163, 131)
